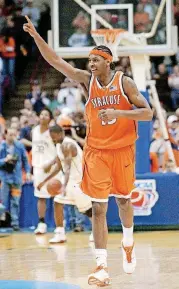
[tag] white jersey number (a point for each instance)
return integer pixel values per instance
(109, 122)
(40, 149)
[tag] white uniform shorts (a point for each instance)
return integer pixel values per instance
(74, 196)
(40, 176)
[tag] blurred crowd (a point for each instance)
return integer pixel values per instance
(16, 46)
(144, 14)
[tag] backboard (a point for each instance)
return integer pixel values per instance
(66, 26)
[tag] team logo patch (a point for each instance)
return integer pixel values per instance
(113, 88)
(144, 197)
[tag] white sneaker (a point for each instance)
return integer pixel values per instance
(91, 238)
(41, 228)
(59, 237)
(129, 259)
(99, 277)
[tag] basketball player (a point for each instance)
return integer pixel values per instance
(43, 156)
(109, 153)
(69, 160)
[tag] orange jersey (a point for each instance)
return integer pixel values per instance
(117, 133)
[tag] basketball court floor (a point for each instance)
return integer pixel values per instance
(29, 262)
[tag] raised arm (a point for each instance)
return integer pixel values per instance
(81, 76)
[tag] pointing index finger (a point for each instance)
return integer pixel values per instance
(27, 18)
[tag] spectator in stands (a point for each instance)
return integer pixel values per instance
(22, 42)
(2, 127)
(2, 211)
(162, 86)
(7, 49)
(23, 119)
(169, 167)
(92, 2)
(8, 7)
(35, 89)
(12, 159)
(33, 119)
(35, 97)
(81, 35)
(28, 108)
(173, 129)
(2, 4)
(120, 22)
(124, 65)
(1, 81)
(176, 14)
(173, 82)
(69, 95)
(173, 122)
(54, 104)
(158, 147)
(2, 20)
(106, 15)
(45, 21)
(15, 119)
(111, 1)
(177, 112)
(45, 99)
(25, 135)
(150, 8)
(32, 12)
(141, 19)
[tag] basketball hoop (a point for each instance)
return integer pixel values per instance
(112, 38)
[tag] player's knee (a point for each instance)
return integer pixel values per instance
(41, 200)
(123, 204)
(99, 209)
(88, 213)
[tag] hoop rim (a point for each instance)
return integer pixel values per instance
(114, 31)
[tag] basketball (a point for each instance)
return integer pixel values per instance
(53, 187)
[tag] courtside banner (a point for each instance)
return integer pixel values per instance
(144, 197)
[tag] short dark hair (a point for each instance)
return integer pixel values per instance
(108, 51)
(56, 129)
(49, 111)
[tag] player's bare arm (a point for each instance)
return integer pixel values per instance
(47, 167)
(80, 140)
(142, 112)
(81, 76)
(57, 168)
(69, 151)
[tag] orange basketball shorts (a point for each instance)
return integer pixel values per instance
(108, 173)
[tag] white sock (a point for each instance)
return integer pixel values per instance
(128, 238)
(60, 230)
(101, 257)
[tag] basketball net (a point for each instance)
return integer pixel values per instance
(112, 38)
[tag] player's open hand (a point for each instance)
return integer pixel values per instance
(29, 27)
(107, 114)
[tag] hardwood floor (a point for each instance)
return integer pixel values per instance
(24, 256)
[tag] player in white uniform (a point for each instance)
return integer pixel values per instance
(69, 160)
(43, 157)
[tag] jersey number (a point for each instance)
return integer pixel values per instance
(40, 149)
(109, 122)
